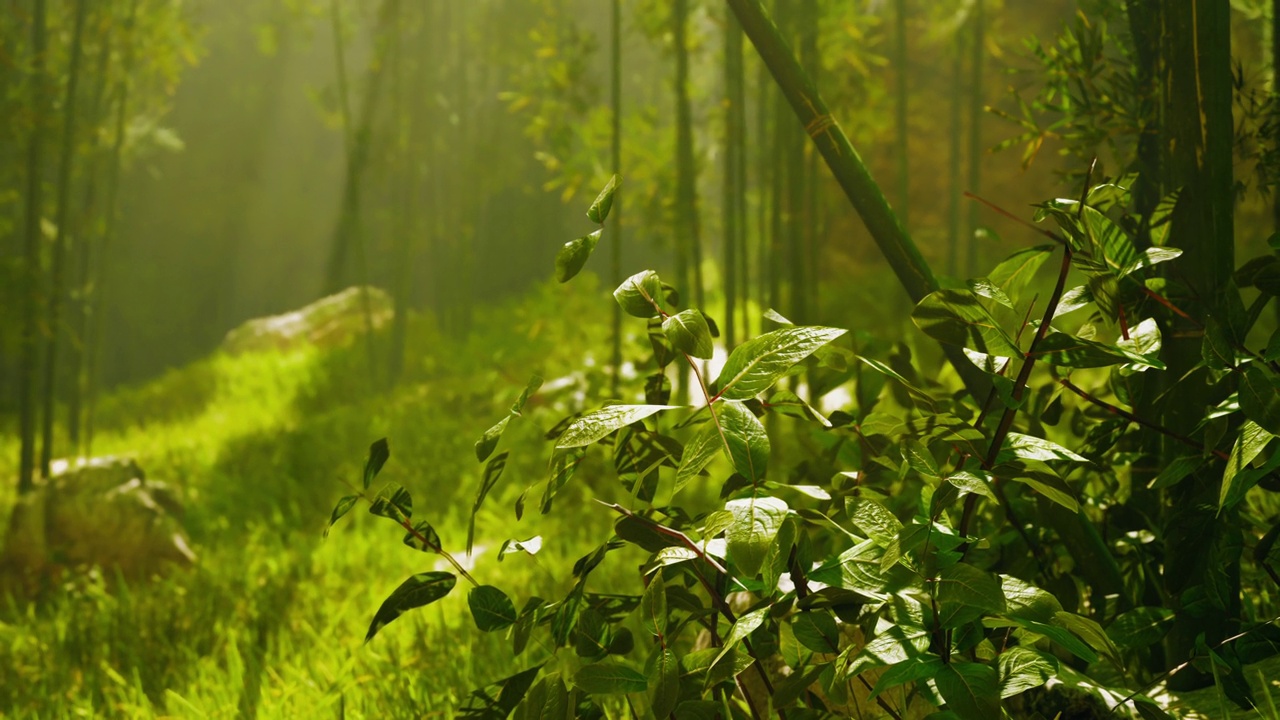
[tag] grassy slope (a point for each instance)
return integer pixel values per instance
(271, 621)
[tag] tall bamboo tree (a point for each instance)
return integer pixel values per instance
(688, 234)
(31, 253)
(733, 200)
(53, 319)
(900, 108)
(1201, 551)
(615, 154)
(977, 112)
(955, 163)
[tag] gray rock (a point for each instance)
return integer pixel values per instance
(96, 512)
(328, 322)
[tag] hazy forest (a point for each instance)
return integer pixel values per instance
(622, 359)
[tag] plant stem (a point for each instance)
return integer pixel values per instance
(439, 551)
(1114, 410)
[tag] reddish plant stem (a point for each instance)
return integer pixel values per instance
(1121, 412)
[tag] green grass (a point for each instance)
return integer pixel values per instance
(271, 621)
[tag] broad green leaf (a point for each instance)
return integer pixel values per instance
(639, 294)
(757, 364)
(920, 458)
(965, 584)
(1042, 479)
(592, 635)
(1065, 350)
(1089, 631)
(573, 256)
(1023, 668)
(742, 628)
(958, 317)
(392, 502)
(755, 523)
(971, 690)
(874, 520)
(546, 700)
(1176, 471)
(531, 546)
(967, 482)
(790, 404)
(817, 631)
(779, 555)
(342, 508)
(689, 333)
(594, 426)
(983, 287)
(860, 569)
(599, 209)
(378, 455)
(1015, 271)
(1238, 476)
(1062, 636)
(419, 590)
(916, 393)
(790, 688)
(489, 441)
(700, 451)
(491, 608)
(609, 678)
(1140, 627)
(1144, 339)
(1029, 447)
(745, 440)
(1260, 398)
(492, 471)
(653, 606)
(1151, 256)
(423, 537)
(913, 669)
(664, 681)
(563, 465)
(894, 644)
(1026, 601)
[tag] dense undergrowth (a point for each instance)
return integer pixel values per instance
(270, 620)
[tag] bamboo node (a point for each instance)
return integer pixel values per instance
(819, 124)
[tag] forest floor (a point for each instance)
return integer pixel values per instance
(271, 620)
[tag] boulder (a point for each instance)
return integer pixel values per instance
(328, 322)
(97, 512)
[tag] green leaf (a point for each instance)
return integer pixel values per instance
(757, 364)
(874, 520)
(965, 584)
(393, 502)
(664, 681)
(700, 451)
(639, 294)
(599, 209)
(1026, 601)
(689, 333)
(742, 628)
(817, 631)
(1089, 631)
(967, 482)
(913, 669)
(511, 546)
(1029, 447)
(745, 440)
(983, 287)
(790, 404)
(608, 678)
(594, 426)
(491, 608)
(1023, 668)
(1238, 478)
(420, 590)
(1140, 627)
(653, 606)
(1042, 479)
(1015, 271)
(535, 382)
(920, 459)
(423, 537)
(489, 441)
(492, 471)
(378, 455)
(573, 256)
(1176, 471)
(1260, 398)
(957, 317)
(755, 523)
(1065, 350)
(1062, 636)
(342, 508)
(971, 691)
(564, 464)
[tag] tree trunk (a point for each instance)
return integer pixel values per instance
(1201, 573)
(977, 111)
(900, 108)
(615, 154)
(53, 319)
(732, 200)
(31, 256)
(687, 223)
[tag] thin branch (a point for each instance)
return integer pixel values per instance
(1121, 412)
